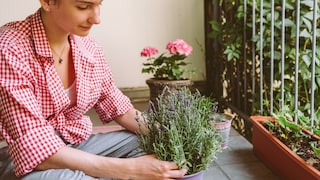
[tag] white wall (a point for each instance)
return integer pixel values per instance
(129, 25)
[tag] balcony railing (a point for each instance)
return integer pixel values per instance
(263, 58)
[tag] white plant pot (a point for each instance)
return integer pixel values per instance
(222, 123)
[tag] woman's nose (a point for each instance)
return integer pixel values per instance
(95, 16)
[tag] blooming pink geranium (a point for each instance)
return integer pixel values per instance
(179, 46)
(167, 65)
(149, 51)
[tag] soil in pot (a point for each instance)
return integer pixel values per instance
(269, 146)
(301, 146)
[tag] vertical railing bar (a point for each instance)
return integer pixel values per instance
(282, 50)
(261, 57)
(239, 74)
(296, 95)
(245, 55)
(315, 9)
(272, 57)
(238, 85)
(253, 51)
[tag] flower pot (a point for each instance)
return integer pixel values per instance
(196, 176)
(277, 156)
(156, 86)
(222, 123)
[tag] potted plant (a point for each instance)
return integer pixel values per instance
(180, 130)
(167, 68)
(289, 149)
(222, 123)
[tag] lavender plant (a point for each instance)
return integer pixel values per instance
(179, 130)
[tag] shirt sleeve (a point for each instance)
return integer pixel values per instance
(112, 102)
(31, 139)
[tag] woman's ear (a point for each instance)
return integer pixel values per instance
(45, 5)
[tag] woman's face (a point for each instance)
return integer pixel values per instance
(75, 16)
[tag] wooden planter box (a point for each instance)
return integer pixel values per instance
(277, 156)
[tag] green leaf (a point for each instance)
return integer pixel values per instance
(215, 26)
(230, 56)
(269, 123)
(306, 59)
(307, 3)
(285, 123)
(289, 23)
(315, 149)
(316, 131)
(307, 22)
(305, 33)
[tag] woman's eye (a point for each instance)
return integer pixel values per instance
(84, 7)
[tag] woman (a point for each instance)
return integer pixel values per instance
(51, 74)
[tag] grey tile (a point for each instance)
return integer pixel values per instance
(239, 151)
(247, 171)
(239, 142)
(235, 156)
(234, 132)
(215, 172)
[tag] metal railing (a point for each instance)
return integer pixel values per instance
(278, 39)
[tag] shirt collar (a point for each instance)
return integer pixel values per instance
(42, 44)
(39, 35)
(81, 48)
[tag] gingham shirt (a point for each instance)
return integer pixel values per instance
(35, 117)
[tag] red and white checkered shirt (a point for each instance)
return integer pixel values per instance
(35, 117)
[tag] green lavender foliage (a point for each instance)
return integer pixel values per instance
(179, 129)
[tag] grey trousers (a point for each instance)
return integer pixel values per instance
(114, 144)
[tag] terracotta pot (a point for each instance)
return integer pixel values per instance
(277, 156)
(156, 86)
(196, 176)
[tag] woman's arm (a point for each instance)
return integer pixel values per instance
(144, 167)
(128, 120)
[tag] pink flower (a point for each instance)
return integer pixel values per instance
(179, 46)
(168, 65)
(148, 51)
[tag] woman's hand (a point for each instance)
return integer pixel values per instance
(149, 167)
